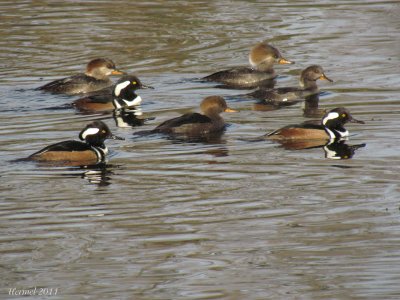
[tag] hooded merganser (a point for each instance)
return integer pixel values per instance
(121, 95)
(262, 58)
(291, 95)
(95, 78)
(90, 152)
(331, 128)
(195, 124)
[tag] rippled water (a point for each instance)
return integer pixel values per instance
(227, 220)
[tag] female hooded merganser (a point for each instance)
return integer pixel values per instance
(121, 95)
(95, 78)
(262, 58)
(291, 95)
(331, 128)
(89, 152)
(193, 125)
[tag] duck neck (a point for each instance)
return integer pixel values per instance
(308, 84)
(98, 75)
(311, 101)
(265, 67)
(101, 151)
(336, 131)
(126, 99)
(213, 115)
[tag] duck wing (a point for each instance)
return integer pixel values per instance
(241, 76)
(66, 146)
(189, 118)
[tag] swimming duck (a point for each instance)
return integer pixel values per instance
(123, 94)
(262, 58)
(89, 152)
(331, 128)
(95, 78)
(291, 95)
(195, 124)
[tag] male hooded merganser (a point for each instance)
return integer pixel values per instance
(291, 95)
(195, 124)
(331, 128)
(121, 95)
(95, 78)
(89, 152)
(262, 58)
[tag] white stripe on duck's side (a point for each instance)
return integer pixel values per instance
(332, 135)
(101, 153)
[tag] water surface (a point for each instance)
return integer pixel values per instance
(226, 220)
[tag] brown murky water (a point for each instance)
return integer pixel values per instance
(225, 220)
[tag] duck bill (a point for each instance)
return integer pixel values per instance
(143, 86)
(352, 120)
(115, 137)
(284, 61)
(324, 77)
(230, 110)
(117, 72)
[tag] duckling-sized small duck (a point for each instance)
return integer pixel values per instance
(91, 151)
(195, 125)
(123, 94)
(95, 78)
(262, 58)
(291, 95)
(331, 128)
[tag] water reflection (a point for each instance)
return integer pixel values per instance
(98, 174)
(193, 222)
(130, 117)
(340, 150)
(333, 149)
(311, 107)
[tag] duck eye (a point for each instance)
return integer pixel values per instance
(134, 82)
(103, 131)
(344, 116)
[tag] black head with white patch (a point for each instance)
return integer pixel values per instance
(334, 121)
(124, 93)
(96, 133)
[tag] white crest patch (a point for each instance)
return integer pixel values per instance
(119, 87)
(330, 116)
(134, 102)
(90, 131)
